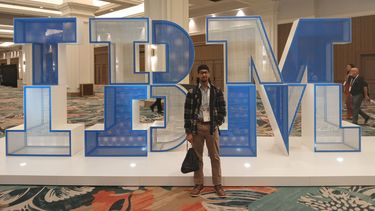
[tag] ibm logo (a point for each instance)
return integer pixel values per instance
(304, 78)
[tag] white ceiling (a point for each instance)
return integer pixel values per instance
(204, 7)
(44, 8)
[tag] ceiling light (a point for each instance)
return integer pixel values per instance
(125, 12)
(340, 159)
(133, 165)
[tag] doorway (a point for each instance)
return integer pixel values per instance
(212, 56)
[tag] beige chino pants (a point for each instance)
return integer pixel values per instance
(212, 143)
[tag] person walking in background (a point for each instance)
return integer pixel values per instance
(205, 111)
(358, 90)
(157, 103)
(348, 97)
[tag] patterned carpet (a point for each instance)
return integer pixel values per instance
(89, 110)
(178, 198)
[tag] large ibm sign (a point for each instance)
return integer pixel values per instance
(303, 78)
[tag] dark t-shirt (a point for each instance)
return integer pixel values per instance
(358, 84)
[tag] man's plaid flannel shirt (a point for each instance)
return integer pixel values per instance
(192, 106)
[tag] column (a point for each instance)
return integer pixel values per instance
(76, 61)
(269, 13)
(26, 64)
(172, 10)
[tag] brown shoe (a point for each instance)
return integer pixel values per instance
(219, 190)
(196, 190)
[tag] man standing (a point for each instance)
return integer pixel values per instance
(358, 90)
(348, 96)
(205, 111)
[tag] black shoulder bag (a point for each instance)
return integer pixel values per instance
(191, 162)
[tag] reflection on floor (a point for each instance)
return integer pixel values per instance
(178, 198)
(89, 110)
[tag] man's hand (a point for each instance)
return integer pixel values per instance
(189, 137)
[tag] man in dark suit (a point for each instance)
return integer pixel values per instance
(358, 89)
(348, 96)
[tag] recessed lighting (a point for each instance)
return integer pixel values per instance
(247, 165)
(133, 165)
(340, 159)
(213, 15)
(23, 164)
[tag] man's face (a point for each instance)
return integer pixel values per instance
(204, 75)
(354, 72)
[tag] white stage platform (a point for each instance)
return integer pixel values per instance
(301, 168)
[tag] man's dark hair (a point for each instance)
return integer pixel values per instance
(351, 65)
(203, 67)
